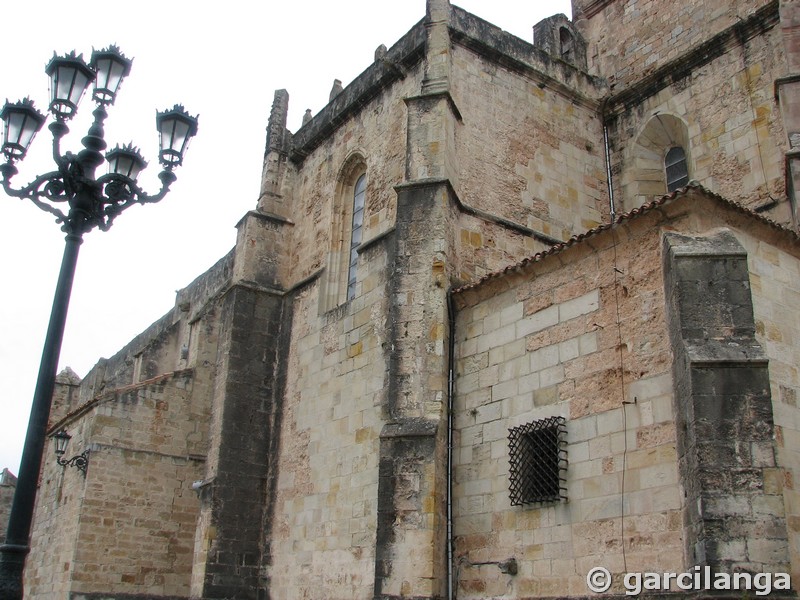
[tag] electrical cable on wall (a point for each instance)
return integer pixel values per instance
(617, 272)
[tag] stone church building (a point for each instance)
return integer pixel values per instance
(503, 313)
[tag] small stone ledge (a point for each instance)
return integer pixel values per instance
(434, 97)
(306, 281)
(410, 427)
(476, 212)
(117, 596)
(722, 245)
(727, 353)
(176, 458)
(374, 241)
(265, 216)
(253, 287)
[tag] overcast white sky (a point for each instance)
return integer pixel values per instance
(221, 60)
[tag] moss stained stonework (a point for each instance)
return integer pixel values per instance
(285, 435)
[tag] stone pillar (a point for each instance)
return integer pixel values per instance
(271, 201)
(787, 91)
(726, 456)
(65, 395)
(411, 541)
(8, 483)
(238, 485)
(411, 534)
(232, 544)
(437, 52)
(433, 115)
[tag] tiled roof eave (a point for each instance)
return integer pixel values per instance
(630, 215)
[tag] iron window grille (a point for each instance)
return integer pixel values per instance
(538, 461)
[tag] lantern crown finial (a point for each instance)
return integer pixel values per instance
(111, 66)
(22, 122)
(175, 127)
(69, 78)
(125, 161)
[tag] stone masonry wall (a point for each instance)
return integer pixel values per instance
(581, 335)
(733, 513)
(129, 524)
(146, 441)
(631, 38)
(323, 533)
(55, 528)
(775, 288)
(527, 153)
(732, 125)
(542, 341)
(774, 264)
(377, 133)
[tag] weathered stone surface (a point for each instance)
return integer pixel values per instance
(725, 404)
(284, 432)
(7, 487)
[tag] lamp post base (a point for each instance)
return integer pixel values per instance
(12, 563)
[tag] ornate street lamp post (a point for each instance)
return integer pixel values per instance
(80, 201)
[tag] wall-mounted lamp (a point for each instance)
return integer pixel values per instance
(81, 461)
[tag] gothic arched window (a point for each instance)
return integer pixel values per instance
(346, 234)
(566, 44)
(359, 192)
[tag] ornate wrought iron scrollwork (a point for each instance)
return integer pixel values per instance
(81, 462)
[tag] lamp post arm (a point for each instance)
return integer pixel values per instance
(59, 130)
(53, 190)
(13, 552)
(167, 178)
(121, 193)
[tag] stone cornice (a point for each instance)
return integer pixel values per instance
(521, 57)
(476, 212)
(395, 66)
(592, 8)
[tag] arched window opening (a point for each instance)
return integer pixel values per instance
(566, 44)
(359, 192)
(676, 168)
(338, 286)
(657, 162)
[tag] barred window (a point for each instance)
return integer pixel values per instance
(538, 461)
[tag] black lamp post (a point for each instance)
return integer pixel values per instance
(87, 201)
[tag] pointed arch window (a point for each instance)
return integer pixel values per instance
(676, 168)
(356, 231)
(566, 44)
(346, 235)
